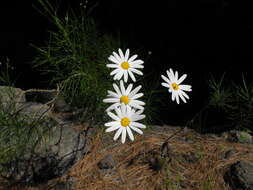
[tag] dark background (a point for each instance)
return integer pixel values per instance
(193, 37)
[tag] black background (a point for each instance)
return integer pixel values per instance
(193, 37)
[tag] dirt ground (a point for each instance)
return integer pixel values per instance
(191, 161)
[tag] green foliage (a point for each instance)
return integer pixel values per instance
(235, 100)
(229, 104)
(19, 133)
(219, 97)
(76, 57)
(6, 72)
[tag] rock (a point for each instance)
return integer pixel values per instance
(8, 94)
(35, 110)
(66, 184)
(61, 106)
(11, 98)
(58, 150)
(240, 176)
(238, 136)
(51, 158)
(107, 162)
(67, 144)
(227, 154)
(40, 96)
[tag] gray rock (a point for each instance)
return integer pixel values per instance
(107, 162)
(40, 96)
(35, 110)
(227, 154)
(66, 184)
(238, 136)
(57, 152)
(11, 98)
(240, 176)
(10, 94)
(60, 105)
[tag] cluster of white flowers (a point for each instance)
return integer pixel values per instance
(125, 101)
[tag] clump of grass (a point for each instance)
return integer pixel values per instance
(236, 101)
(233, 103)
(6, 72)
(19, 133)
(76, 56)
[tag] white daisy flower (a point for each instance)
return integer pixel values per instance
(124, 122)
(126, 96)
(175, 87)
(124, 66)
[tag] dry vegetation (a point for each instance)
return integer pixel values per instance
(194, 162)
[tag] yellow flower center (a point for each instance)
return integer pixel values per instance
(125, 65)
(175, 86)
(124, 99)
(125, 122)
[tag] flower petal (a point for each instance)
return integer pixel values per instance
(177, 98)
(113, 128)
(139, 102)
(118, 112)
(181, 79)
(118, 75)
(165, 79)
(112, 123)
(136, 129)
(171, 76)
(131, 75)
(110, 100)
(135, 105)
(116, 88)
(137, 62)
(181, 96)
(112, 66)
(113, 116)
(173, 96)
(165, 84)
(132, 58)
(137, 117)
(118, 133)
(114, 60)
(130, 134)
(135, 71)
(176, 75)
(185, 95)
(136, 96)
(186, 87)
(125, 76)
(138, 125)
(131, 94)
(113, 94)
(121, 55)
(127, 55)
(117, 57)
(122, 88)
(129, 88)
(115, 71)
(137, 66)
(123, 136)
(113, 106)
